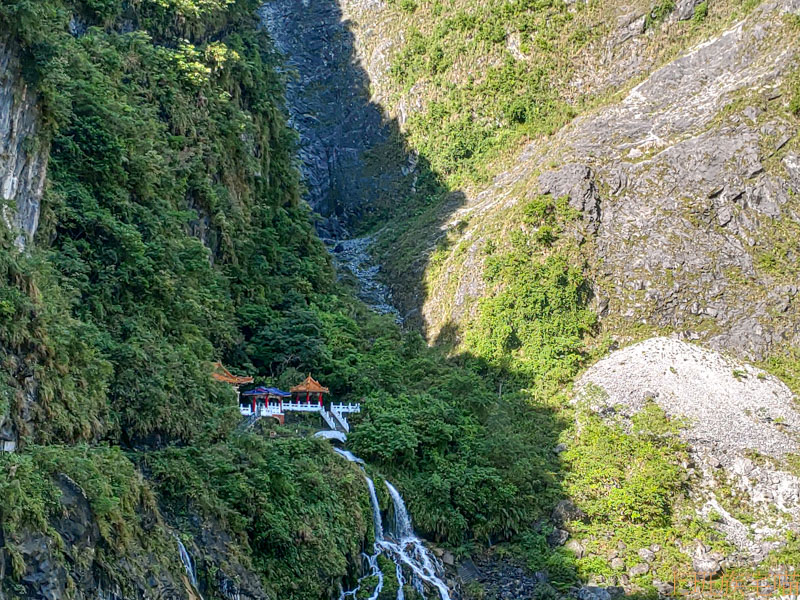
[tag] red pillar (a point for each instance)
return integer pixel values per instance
(253, 404)
(308, 397)
(319, 397)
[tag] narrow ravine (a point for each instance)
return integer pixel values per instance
(353, 255)
(400, 544)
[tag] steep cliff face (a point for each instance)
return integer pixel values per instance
(94, 545)
(23, 150)
(23, 165)
(352, 163)
(687, 179)
(688, 188)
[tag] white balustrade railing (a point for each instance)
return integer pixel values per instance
(340, 418)
(335, 416)
(302, 406)
(328, 418)
(262, 411)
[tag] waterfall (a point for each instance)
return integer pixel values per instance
(404, 548)
(402, 522)
(410, 550)
(349, 455)
(398, 569)
(376, 510)
(187, 562)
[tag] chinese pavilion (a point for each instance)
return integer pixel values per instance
(264, 402)
(309, 386)
(222, 374)
(272, 402)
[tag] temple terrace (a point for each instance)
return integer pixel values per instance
(308, 396)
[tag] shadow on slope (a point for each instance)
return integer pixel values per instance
(471, 440)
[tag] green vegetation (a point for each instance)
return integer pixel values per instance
(535, 319)
(298, 511)
(624, 478)
(786, 366)
(149, 144)
(466, 125)
(172, 235)
(660, 12)
(700, 12)
(794, 102)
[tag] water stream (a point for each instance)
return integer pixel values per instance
(400, 544)
(187, 562)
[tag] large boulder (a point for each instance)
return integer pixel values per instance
(565, 512)
(576, 182)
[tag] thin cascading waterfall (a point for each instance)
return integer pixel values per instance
(348, 455)
(402, 522)
(376, 510)
(407, 550)
(186, 559)
(401, 580)
(373, 568)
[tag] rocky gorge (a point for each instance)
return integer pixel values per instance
(685, 182)
(551, 247)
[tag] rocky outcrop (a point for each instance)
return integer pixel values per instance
(52, 565)
(501, 579)
(740, 424)
(577, 183)
(73, 560)
(23, 149)
(687, 187)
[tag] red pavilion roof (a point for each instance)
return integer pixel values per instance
(310, 385)
(222, 374)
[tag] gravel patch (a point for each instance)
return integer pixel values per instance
(730, 405)
(741, 423)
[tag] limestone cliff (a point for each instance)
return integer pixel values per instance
(686, 185)
(351, 165)
(23, 152)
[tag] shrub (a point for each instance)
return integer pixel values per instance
(627, 478)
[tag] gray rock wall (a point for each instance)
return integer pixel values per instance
(23, 152)
(342, 132)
